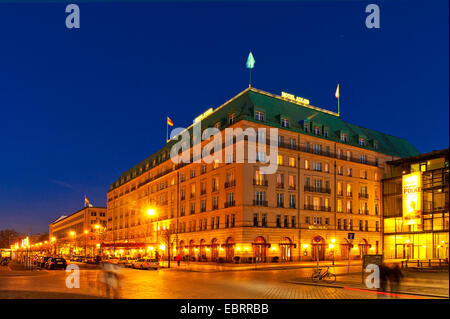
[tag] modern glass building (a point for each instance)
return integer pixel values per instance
(415, 207)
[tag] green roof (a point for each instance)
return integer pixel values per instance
(299, 115)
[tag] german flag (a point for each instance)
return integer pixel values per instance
(169, 121)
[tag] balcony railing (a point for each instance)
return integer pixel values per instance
(230, 183)
(363, 195)
(316, 189)
(364, 212)
(229, 204)
(318, 208)
(258, 202)
(203, 192)
(280, 185)
(263, 182)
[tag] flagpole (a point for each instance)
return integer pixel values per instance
(167, 135)
(339, 110)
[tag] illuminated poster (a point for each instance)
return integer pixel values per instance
(412, 197)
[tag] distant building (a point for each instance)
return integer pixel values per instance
(80, 233)
(327, 185)
(416, 207)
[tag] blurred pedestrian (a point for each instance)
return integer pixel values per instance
(395, 277)
(384, 277)
(178, 259)
(110, 278)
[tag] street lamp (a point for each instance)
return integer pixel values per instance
(332, 247)
(72, 234)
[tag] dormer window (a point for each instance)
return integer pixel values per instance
(344, 137)
(217, 125)
(375, 145)
(325, 133)
(284, 122)
(259, 116)
(362, 141)
(306, 127)
(231, 118)
(316, 130)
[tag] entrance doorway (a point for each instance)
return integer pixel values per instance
(318, 249)
(259, 249)
(229, 249)
(286, 249)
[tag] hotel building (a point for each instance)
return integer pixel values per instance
(80, 233)
(415, 210)
(327, 185)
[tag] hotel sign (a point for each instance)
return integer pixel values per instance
(412, 197)
(294, 98)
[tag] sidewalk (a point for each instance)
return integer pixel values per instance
(16, 269)
(435, 285)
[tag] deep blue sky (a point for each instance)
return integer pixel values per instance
(81, 106)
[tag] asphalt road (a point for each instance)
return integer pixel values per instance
(177, 284)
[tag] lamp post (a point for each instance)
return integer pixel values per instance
(72, 234)
(85, 242)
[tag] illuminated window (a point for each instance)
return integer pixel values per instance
(259, 116)
(316, 130)
(292, 181)
(306, 164)
(291, 161)
(349, 207)
(344, 137)
(280, 159)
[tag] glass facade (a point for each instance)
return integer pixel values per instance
(427, 237)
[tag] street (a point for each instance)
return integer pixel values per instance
(181, 283)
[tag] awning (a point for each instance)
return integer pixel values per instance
(123, 245)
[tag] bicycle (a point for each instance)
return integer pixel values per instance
(326, 276)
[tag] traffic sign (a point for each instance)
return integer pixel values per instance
(351, 236)
(317, 238)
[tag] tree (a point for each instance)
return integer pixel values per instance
(7, 237)
(43, 237)
(166, 238)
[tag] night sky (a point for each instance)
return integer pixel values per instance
(79, 107)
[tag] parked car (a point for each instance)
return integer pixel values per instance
(114, 261)
(77, 258)
(42, 261)
(93, 260)
(55, 263)
(146, 264)
(124, 261)
(130, 262)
